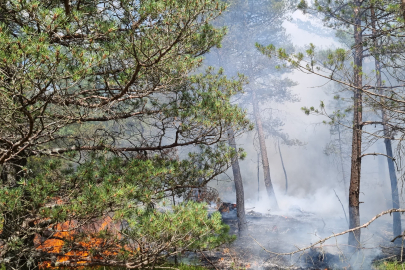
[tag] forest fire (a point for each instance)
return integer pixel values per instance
(75, 245)
(110, 111)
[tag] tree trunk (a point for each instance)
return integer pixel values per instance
(240, 195)
(67, 7)
(354, 189)
(396, 225)
(282, 164)
(263, 151)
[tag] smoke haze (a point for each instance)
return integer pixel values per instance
(315, 182)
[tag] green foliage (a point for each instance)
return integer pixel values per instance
(113, 87)
(124, 191)
(70, 67)
(310, 110)
(388, 265)
(302, 5)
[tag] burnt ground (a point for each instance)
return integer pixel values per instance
(285, 233)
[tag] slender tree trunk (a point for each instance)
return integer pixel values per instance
(282, 164)
(240, 195)
(263, 151)
(67, 7)
(396, 225)
(354, 189)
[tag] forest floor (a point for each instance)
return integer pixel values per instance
(271, 234)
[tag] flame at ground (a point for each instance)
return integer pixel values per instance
(91, 246)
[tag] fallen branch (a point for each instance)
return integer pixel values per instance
(365, 225)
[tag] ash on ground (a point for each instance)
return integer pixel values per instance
(270, 234)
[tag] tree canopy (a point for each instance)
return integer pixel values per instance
(96, 99)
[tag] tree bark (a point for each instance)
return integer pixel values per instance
(396, 225)
(285, 172)
(240, 195)
(67, 7)
(354, 189)
(263, 151)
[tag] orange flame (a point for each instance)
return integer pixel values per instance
(68, 232)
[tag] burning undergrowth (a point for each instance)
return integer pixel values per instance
(269, 235)
(114, 242)
(71, 243)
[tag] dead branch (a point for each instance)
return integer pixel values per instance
(377, 154)
(398, 236)
(380, 154)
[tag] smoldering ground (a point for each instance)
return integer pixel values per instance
(306, 216)
(300, 222)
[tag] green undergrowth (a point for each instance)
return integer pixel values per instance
(389, 265)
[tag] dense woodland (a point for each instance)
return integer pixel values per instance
(117, 116)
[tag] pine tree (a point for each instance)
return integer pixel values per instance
(95, 98)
